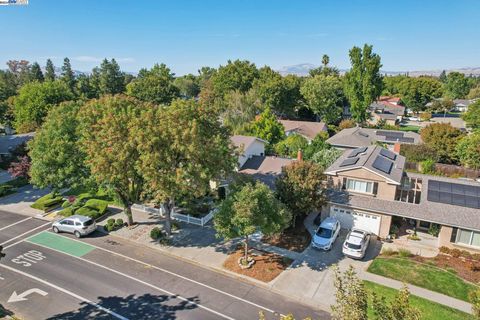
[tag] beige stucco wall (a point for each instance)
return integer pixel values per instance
(444, 240)
(385, 190)
(385, 226)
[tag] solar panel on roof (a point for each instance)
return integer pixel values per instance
(389, 154)
(383, 164)
(454, 193)
(357, 151)
(433, 196)
(407, 140)
(391, 134)
(348, 162)
(445, 197)
(472, 202)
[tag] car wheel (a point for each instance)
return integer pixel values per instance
(77, 234)
(55, 229)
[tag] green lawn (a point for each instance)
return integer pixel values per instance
(429, 310)
(421, 275)
(410, 128)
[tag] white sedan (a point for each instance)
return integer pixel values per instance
(356, 243)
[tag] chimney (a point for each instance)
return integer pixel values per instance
(299, 155)
(396, 147)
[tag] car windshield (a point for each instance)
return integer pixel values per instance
(324, 233)
(353, 246)
(88, 223)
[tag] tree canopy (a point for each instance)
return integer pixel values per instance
(468, 151)
(267, 127)
(417, 92)
(442, 138)
(457, 85)
(235, 75)
(472, 116)
(290, 146)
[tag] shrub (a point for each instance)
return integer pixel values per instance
(404, 253)
(428, 166)
(119, 223)
(455, 253)
(434, 230)
(425, 116)
(98, 205)
(465, 254)
(445, 250)
(6, 190)
(388, 252)
(111, 221)
(109, 227)
(66, 204)
(67, 212)
(476, 256)
(414, 237)
(175, 225)
(88, 212)
(156, 233)
(46, 202)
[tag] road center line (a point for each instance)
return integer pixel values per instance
(182, 277)
(116, 315)
(15, 223)
(25, 233)
(138, 280)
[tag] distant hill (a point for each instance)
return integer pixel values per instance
(303, 69)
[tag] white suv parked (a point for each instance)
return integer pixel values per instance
(76, 224)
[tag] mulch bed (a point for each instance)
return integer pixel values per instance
(465, 269)
(267, 266)
(294, 239)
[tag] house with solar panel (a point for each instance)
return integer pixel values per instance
(369, 189)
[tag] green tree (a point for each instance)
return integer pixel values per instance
(34, 100)
(391, 84)
(36, 73)
(417, 92)
(154, 85)
(474, 93)
(68, 77)
(252, 208)
(188, 86)
(326, 157)
(324, 69)
(8, 86)
(183, 158)
(350, 295)
(84, 87)
(443, 76)
(21, 71)
(111, 78)
(472, 116)
(236, 75)
(399, 309)
(56, 159)
(457, 85)
(238, 110)
(268, 128)
(300, 188)
(468, 151)
(49, 71)
(363, 82)
(324, 96)
(109, 140)
(318, 143)
(290, 146)
(442, 138)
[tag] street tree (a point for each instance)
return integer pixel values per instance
(443, 139)
(49, 71)
(363, 82)
(350, 295)
(472, 116)
(155, 85)
(68, 76)
(35, 100)
(111, 78)
(57, 161)
(324, 96)
(468, 151)
(108, 137)
(36, 73)
(300, 188)
(268, 128)
(181, 159)
(235, 75)
(253, 208)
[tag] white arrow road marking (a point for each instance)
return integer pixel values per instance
(22, 296)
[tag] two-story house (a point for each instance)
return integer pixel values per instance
(369, 189)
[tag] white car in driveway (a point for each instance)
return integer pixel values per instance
(356, 243)
(76, 224)
(326, 234)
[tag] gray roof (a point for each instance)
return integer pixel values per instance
(366, 161)
(308, 129)
(363, 137)
(456, 216)
(464, 102)
(388, 108)
(265, 168)
(244, 142)
(9, 142)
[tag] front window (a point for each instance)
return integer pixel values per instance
(359, 186)
(469, 238)
(324, 233)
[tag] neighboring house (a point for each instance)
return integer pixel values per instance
(369, 189)
(461, 105)
(8, 143)
(307, 129)
(363, 137)
(390, 112)
(252, 159)
(389, 100)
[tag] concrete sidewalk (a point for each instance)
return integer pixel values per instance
(20, 201)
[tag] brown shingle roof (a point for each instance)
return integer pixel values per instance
(308, 129)
(265, 168)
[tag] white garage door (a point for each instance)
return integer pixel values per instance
(358, 219)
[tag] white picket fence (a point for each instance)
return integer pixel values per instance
(178, 216)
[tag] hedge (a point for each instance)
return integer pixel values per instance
(46, 202)
(98, 205)
(88, 212)
(6, 189)
(67, 212)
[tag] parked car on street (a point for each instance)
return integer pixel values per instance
(76, 224)
(326, 234)
(356, 243)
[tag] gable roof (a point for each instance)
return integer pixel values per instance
(265, 168)
(389, 99)
(388, 108)
(368, 160)
(10, 142)
(308, 129)
(244, 142)
(363, 137)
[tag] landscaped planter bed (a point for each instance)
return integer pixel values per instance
(294, 239)
(267, 266)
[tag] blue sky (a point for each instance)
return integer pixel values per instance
(409, 35)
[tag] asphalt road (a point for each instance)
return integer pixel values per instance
(49, 276)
